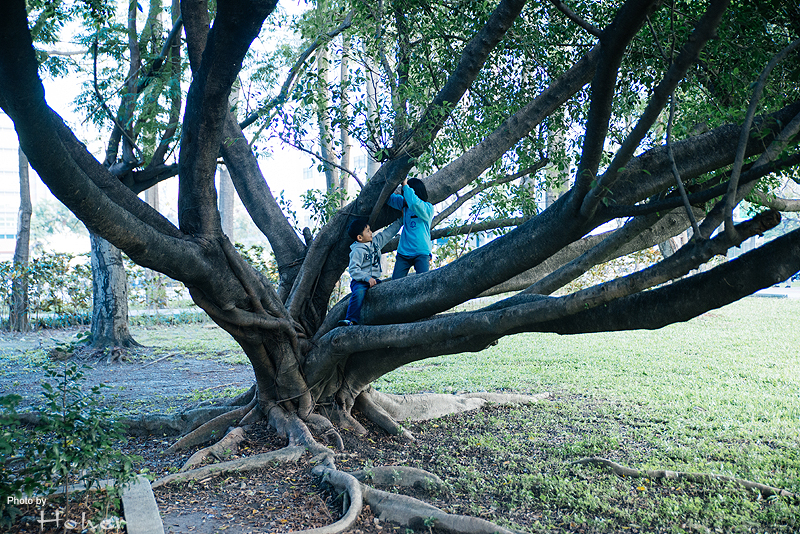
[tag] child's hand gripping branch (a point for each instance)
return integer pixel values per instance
(365, 263)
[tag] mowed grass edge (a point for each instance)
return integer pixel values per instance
(719, 394)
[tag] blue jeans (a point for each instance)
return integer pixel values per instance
(358, 290)
(402, 264)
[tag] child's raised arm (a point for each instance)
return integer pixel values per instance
(383, 237)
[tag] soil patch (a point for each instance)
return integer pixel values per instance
(141, 383)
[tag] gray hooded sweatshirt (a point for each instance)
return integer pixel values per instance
(365, 258)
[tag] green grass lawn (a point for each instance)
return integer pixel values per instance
(719, 394)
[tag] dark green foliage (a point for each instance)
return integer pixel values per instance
(75, 440)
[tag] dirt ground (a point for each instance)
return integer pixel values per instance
(280, 499)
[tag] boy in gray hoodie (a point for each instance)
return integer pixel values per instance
(365, 263)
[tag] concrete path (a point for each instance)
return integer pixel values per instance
(141, 511)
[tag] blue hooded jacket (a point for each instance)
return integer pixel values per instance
(417, 216)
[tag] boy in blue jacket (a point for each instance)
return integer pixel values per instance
(365, 263)
(415, 241)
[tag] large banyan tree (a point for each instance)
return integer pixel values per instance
(658, 118)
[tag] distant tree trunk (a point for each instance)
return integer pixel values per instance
(226, 198)
(110, 297)
(18, 320)
(344, 109)
(154, 293)
(324, 120)
(372, 112)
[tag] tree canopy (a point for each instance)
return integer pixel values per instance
(656, 116)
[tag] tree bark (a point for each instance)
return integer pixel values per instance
(110, 297)
(19, 319)
(226, 202)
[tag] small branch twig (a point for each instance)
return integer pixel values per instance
(291, 78)
(677, 174)
(317, 156)
(497, 181)
(571, 15)
(733, 184)
(148, 364)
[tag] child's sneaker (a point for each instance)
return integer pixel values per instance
(346, 322)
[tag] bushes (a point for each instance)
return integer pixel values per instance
(59, 285)
(73, 441)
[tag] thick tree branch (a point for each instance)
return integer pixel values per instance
(533, 242)
(702, 193)
(613, 41)
(614, 246)
(692, 296)
(473, 58)
(392, 172)
(650, 173)
(773, 202)
(474, 330)
(704, 30)
(257, 198)
(719, 212)
(236, 25)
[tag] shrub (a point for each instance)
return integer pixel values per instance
(74, 441)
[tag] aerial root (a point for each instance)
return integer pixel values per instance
(214, 427)
(396, 475)
(400, 509)
(220, 450)
(285, 455)
(623, 471)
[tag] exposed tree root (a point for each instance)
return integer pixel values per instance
(183, 423)
(404, 511)
(396, 475)
(413, 513)
(285, 455)
(426, 406)
(375, 413)
(290, 426)
(387, 410)
(341, 418)
(322, 426)
(623, 471)
(220, 450)
(216, 426)
(353, 502)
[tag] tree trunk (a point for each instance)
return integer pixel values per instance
(110, 297)
(226, 197)
(324, 121)
(18, 320)
(155, 292)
